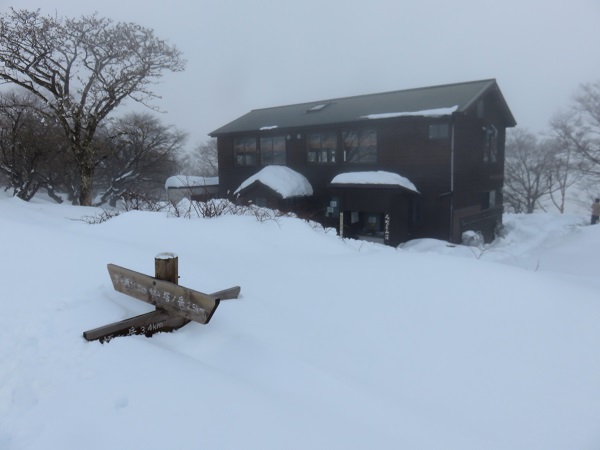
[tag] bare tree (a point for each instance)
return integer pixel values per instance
(526, 172)
(141, 153)
(579, 127)
(203, 161)
(576, 131)
(63, 177)
(29, 144)
(567, 168)
(82, 69)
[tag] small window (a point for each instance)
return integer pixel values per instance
(272, 150)
(318, 107)
(490, 200)
(245, 151)
(321, 147)
(490, 144)
(480, 109)
(373, 224)
(332, 209)
(360, 146)
(261, 202)
(439, 131)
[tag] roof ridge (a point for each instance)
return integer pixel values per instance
(333, 100)
(379, 105)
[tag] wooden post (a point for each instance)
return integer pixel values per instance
(166, 267)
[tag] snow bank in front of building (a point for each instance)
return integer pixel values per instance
(333, 343)
(283, 180)
(374, 177)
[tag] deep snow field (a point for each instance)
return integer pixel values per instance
(333, 344)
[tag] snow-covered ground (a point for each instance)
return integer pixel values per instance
(333, 344)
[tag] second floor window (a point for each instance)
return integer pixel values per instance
(322, 147)
(490, 144)
(272, 150)
(439, 131)
(245, 151)
(360, 146)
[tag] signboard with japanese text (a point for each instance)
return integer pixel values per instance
(192, 305)
(175, 305)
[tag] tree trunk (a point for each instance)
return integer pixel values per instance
(86, 174)
(28, 191)
(53, 195)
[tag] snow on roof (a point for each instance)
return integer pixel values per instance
(186, 181)
(375, 177)
(268, 127)
(426, 112)
(282, 180)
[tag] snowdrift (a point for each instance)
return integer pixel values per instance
(333, 344)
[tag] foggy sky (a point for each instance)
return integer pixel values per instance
(243, 55)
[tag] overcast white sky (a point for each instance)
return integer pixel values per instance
(244, 55)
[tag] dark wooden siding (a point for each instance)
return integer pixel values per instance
(474, 177)
(448, 205)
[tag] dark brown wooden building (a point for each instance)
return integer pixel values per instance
(387, 167)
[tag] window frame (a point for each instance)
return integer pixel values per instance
(248, 152)
(438, 131)
(322, 154)
(491, 199)
(272, 152)
(363, 147)
(490, 144)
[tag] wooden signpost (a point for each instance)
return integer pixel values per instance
(175, 305)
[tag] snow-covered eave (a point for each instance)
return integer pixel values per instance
(257, 183)
(373, 186)
(438, 112)
(378, 179)
(282, 180)
(189, 182)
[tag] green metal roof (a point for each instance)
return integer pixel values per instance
(460, 96)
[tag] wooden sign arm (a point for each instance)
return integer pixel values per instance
(193, 305)
(227, 294)
(135, 325)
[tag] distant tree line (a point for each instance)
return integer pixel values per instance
(540, 171)
(58, 131)
(133, 154)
